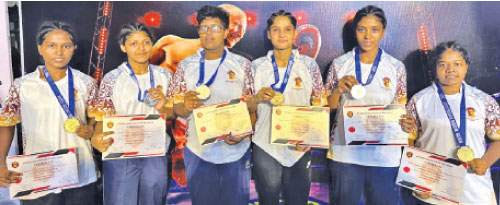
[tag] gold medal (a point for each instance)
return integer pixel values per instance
(71, 124)
(203, 92)
(277, 99)
(465, 154)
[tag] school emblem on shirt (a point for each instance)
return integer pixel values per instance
(409, 154)
(231, 76)
(471, 113)
(387, 82)
(76, 94)
(298, 82)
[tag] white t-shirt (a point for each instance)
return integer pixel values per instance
(388, 86)
(435, 135)
(32, 101)
(234, 80)
(118, 93)
(304, 86)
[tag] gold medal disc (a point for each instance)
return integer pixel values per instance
(465, 154)
(203, 92)
(277, 99)
(71, 124)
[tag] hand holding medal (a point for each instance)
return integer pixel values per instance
(85, 131)
(191, 101)
(359, 91)
(478, 166)
(145, 97)
(203, 90)
(264, 94)
(155, 98)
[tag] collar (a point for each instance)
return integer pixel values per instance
(198, 52)
(467, 91)
(295, 53)
(353, 51)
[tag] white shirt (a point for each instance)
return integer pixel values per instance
(388, 86)
(118, 93)
(435, 135)
(234, 80)
(31, 100)
(304, 86)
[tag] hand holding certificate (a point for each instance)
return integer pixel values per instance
(43, 173)
(428, 172)
(215, 122)
(374, 125)
(135, 136)
(303, 125)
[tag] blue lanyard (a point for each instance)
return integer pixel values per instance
(458, 132)
(202, 70)
(289, 66)
(69, 110)
(372, 71)
(140, 96)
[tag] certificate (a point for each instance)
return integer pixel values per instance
(135, 136)
(374, 125)
(43, 173)
(303, 125)
(216, 122)
(425, 171)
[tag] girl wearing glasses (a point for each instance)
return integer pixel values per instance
(217, 173)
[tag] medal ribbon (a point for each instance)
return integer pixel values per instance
(140, 96)
(289, 66)
(202, 70)
(68, 109)
(373, 69)
(458, 132)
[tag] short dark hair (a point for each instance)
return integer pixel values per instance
(273, 16)
(50, 26)
(212, 11)
(127, 29)
(442, 47)
(370, 10)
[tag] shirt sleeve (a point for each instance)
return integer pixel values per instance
(10, 115)
(400, 95)
(92, 90)
(177, 88)
(492, 118)
(411, 109)
(318, 95)
(331, 79)
(248, 87)
(169, 104)
(102, 104)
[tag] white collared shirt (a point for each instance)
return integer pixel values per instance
(118, 93)
(31, 100)
(304, 86)
(435, 134)
(388, 86)
(234, 80)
